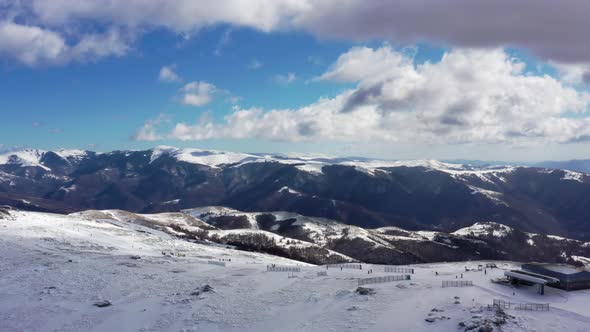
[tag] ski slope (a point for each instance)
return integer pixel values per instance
(54, 268)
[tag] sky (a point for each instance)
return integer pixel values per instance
(395, 79)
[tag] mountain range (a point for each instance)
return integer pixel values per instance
(420, 195)
(324, 241)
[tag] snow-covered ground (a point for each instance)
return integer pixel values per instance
(53, 269)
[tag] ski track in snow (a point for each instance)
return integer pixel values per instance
(42, 290)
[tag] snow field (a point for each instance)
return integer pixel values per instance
(54, 268)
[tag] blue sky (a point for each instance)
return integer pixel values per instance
(102, 103)
(285, 83)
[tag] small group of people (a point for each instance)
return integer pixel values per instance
(485, 272)
(370, 271)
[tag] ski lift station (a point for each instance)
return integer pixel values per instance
(561, 276)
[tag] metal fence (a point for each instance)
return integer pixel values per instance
(275, 268)
(397, 269)
(216, 263)
(521, 306)
(378, 280)
(457, 283)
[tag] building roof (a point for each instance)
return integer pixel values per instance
(561, 268)
(531, 277)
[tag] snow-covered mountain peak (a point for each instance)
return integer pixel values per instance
(211, 158)
(485, 229)
(71, 153)
(573, 176)
(36, 157)
(26, 157)
(311, 163)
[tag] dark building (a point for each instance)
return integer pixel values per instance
(570, 277)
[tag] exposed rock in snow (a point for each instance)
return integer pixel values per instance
(103, 304)
(365, 291)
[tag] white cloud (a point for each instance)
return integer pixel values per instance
(469, 96)
(177, 15)
(94, 46)
(573, 73)
(31, 45)
(531, 24)
(148, 132)
(198, 93)
(367, 64)
(168, 74)
(487, 24)
(285, 79)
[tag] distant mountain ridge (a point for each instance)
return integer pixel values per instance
(582, 165)
(415, 195)
(576, 165)
(324, 241)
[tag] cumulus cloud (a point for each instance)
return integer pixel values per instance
(198, 93)
(168, 74)
(177, 15)
(32, 45)
(148, 132)
(94, 46)
(555, 30)
(573, 73)
(469, 96)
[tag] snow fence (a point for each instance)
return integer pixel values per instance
(521, 306)
(397, 269)
(347, 266)
(457, 283)
(378, 280)
(276, 268)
